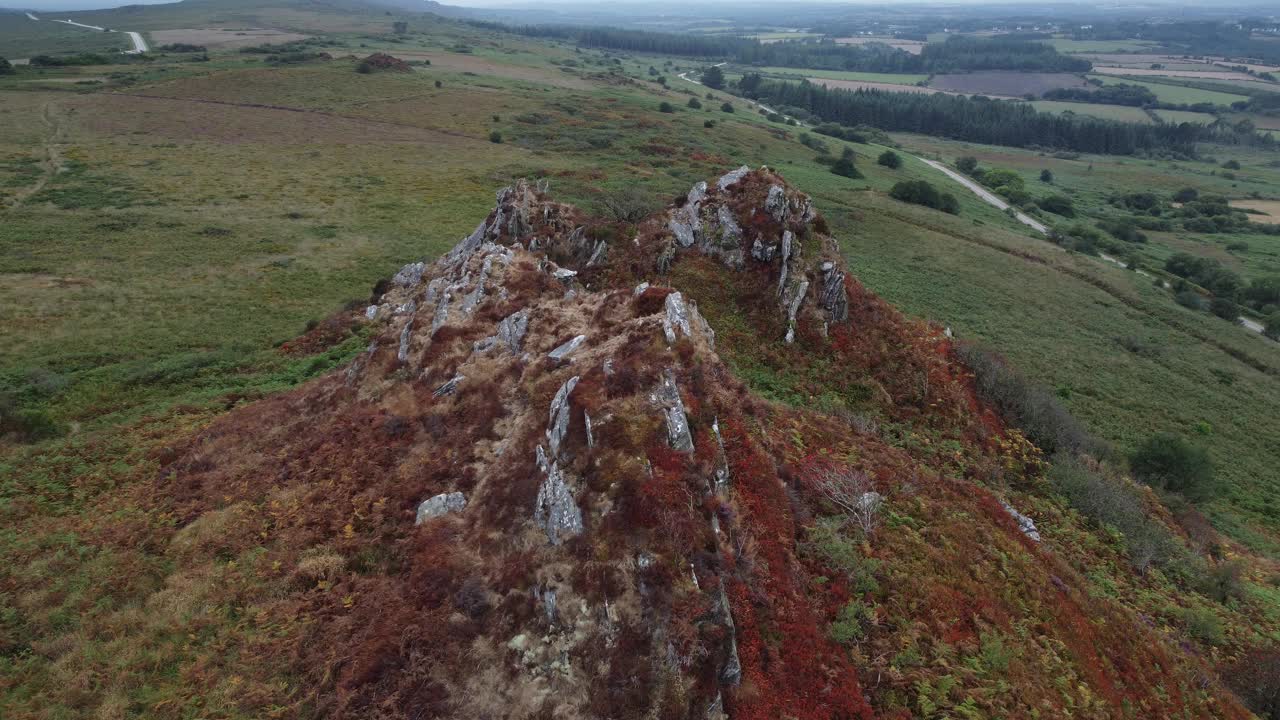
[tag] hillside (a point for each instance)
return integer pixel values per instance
(541, 492)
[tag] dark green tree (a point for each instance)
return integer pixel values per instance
(666, 107)
(1171, 463)
(967, 164)
(1046, 176)
(713, 77)
(890, 159)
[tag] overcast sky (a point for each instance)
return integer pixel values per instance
(53, 5)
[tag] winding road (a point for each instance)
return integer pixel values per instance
(139, 43)
(996, 202)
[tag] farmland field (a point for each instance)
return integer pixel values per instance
(1108, 112)
(1066, 45)
(220, 38)
(915, 47)
(1176, 94)
(1222, 74)
(1181, 116)
(998, 83)
(865, 85)
(892, 78)
(1269, 208)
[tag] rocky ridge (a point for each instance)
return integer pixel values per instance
(552, 497)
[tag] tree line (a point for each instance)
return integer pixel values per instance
(955, 55)
(992, 122)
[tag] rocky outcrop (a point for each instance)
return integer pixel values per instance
(1025, 524)
(667, 397)
(441, 504)
(834, 298)
(558, 422)
(556, 512)
(620, 527)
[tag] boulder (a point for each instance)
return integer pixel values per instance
(1025, 524)
(565, 350)
(441, 504)
(732, 177)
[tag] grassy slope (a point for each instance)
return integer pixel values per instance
(1123, 395)
(22, 38)
(328, 205)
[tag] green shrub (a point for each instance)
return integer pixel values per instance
(967, 164)
(1231, 165)
(1203, 625)
(708, 123)
(495, 137)
(5, 67)
(1108, 500)
(922, 192)
(845, 167)
(1190, 299)
(1225, 581)
(1271, 328)
(890, 159)
(848, 626)
(666, 107)
(1046, 176)
(1058, 205)
(1186, 195)
(1026, 405)
(1225, 308)
(727, 107)
(1171, 463)
(68, 60)
(693, 103)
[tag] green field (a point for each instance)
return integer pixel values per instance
(1177, 94)
(20, 37)
(1066, 45)
(897, 78)
(1181, 116)
(1108, 112)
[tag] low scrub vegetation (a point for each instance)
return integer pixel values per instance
(922, 192)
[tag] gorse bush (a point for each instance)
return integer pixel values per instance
(1169, 462)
